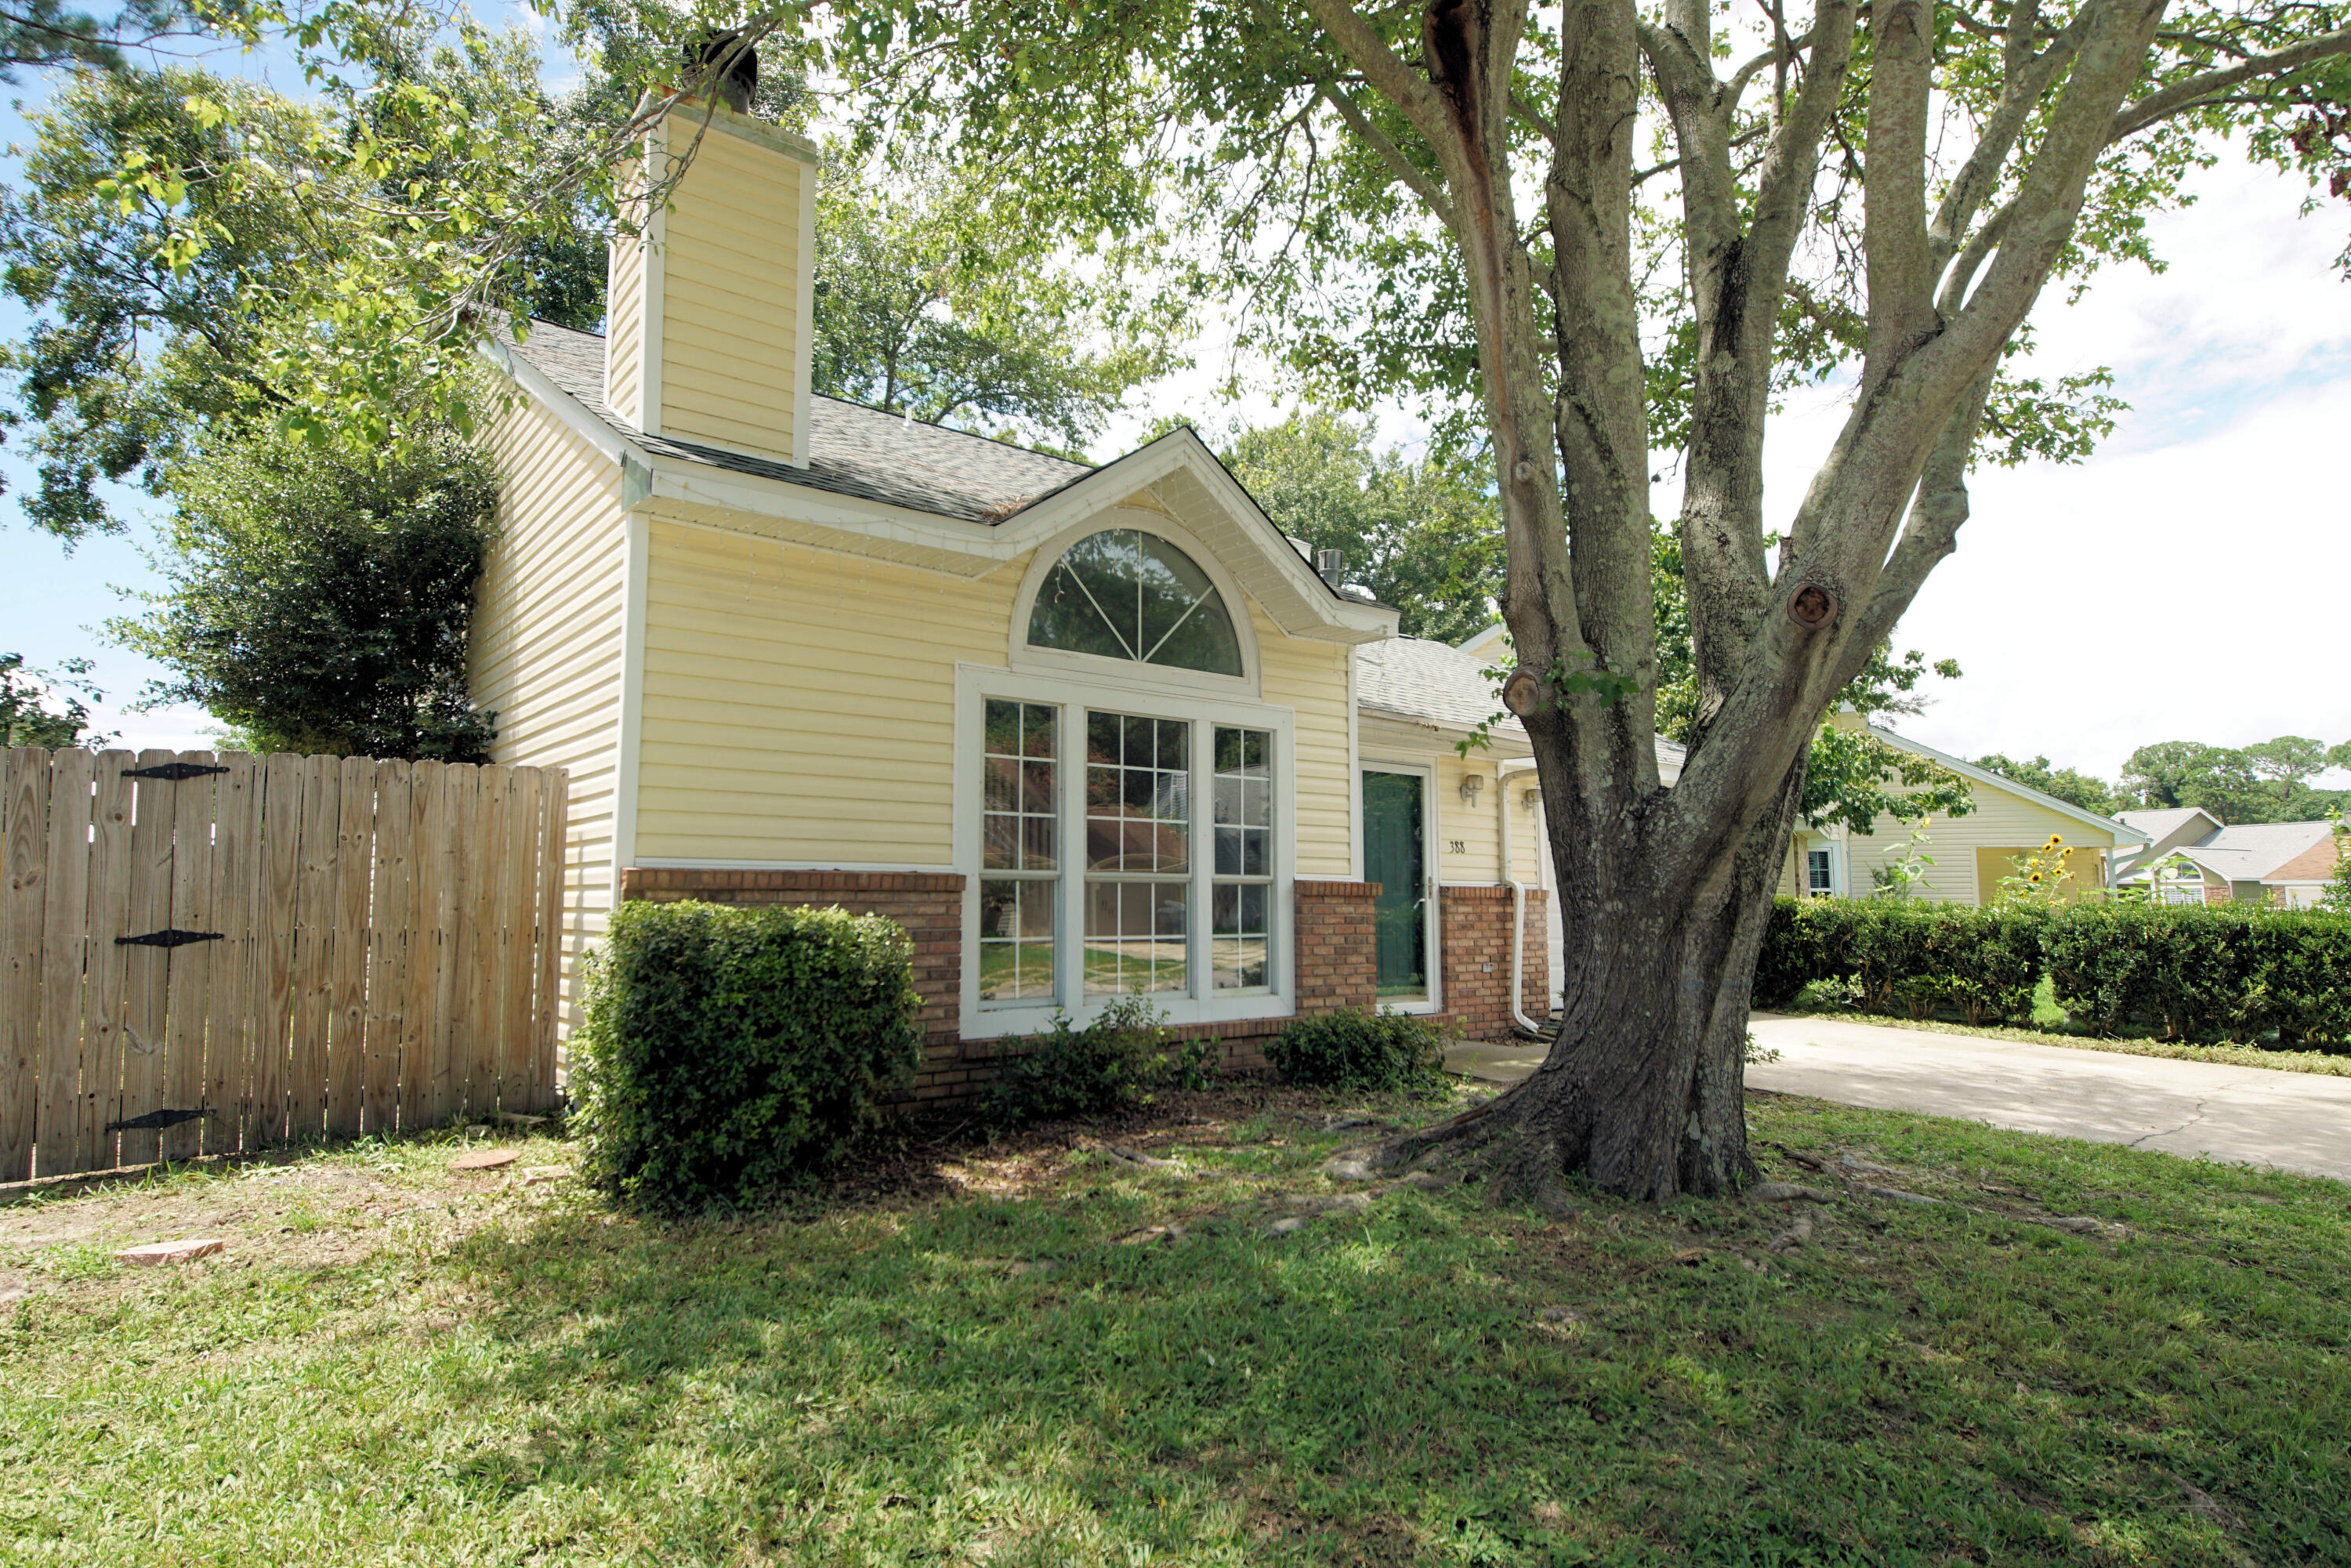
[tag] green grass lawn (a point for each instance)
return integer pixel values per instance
(956, 1359)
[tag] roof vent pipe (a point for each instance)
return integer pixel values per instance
(1330, 565)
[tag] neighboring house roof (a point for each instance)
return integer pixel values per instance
(2254, 851)
(2121, 833)
(1437, 684)
(2160, 825)
(852, 450)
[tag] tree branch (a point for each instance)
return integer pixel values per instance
(2180, 96)
(1431, 194)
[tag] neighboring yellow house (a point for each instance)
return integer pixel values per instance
(1971, 854)
(1087, 732)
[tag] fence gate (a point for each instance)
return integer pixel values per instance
(204, 954)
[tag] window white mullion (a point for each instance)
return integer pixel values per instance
(1069, 922)
(1200, 982)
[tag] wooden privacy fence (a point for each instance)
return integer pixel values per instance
(205, 954)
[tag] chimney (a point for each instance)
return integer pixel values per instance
(1329, 566)
(709, 312)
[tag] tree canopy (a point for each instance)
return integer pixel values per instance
(1418, 534)
(321, 602)
(942, 304)
(2065, 783)
(41, 709)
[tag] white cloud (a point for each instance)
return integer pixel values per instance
(2185, 583)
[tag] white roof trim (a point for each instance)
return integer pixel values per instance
(2123, 834)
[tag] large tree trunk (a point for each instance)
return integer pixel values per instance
(1643, 1092)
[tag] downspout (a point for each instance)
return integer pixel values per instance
(1527, 1026)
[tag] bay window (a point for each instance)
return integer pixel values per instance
(1123, 845)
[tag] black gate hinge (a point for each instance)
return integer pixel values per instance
(170, 937)
(172, 772)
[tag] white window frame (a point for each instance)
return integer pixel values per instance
(1432, 899)
(1075, 695)
(1133, 675)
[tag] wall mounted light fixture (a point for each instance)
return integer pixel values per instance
(1469, 788)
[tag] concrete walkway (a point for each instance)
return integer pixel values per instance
(2293, 1121)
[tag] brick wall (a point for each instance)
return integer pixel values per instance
(1476, 921)
(1337, 956)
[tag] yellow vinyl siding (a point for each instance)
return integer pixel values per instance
(1472, 827)
(1311, 679)
(2002, 821)
(546, 643)
(731, 265)
(624, 317)
(800, 706)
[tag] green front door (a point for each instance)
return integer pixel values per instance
(1395, 851)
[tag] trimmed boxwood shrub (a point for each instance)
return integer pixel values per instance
(1387, 1052)
(728, 1052)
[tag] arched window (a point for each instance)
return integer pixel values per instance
(1126, 594)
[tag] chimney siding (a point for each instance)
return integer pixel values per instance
(709, 316)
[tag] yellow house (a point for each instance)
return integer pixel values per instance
(1971, 854)
(1087, 732)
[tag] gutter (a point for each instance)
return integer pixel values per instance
(1502, 771)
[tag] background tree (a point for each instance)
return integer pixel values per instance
(45, 34)
(320, 599)
(1421, 536)
(942, 302)
(2066, 784)
(41, 709)
(2261, 783)
(138, 346)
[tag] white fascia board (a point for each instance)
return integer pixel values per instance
(608, 442)
(2123, 834)
(704, 483)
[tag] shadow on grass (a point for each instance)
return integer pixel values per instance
(1435, 1383)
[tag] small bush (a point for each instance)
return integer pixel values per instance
(1112, 1064)
(1384, 1052)
(728, 1052)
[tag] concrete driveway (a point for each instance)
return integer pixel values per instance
(2293, 1121)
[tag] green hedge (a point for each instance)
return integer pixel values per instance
(728, 1052)
(2187, 973)
(1908, 958)
(2194, 973)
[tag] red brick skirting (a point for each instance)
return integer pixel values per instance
(1476, 950)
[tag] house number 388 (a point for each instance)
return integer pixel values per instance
(1456, 847)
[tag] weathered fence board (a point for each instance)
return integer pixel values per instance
(229, 950)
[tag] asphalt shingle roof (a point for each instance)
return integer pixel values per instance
(2252, 851)
(2156, 824)
(852, 450)
(1436, 683)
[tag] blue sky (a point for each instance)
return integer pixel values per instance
(2188, 582)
